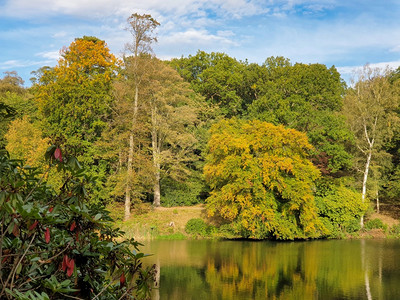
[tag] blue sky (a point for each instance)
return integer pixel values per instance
(344, 33)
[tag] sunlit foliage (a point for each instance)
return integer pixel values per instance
(261, 179)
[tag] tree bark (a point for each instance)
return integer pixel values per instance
(129, 174)
(156, 159)
(377, 201)
(364, 185)
(128, 179)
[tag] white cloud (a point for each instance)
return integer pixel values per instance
(12, 64)
(200, 38)
(100, 8)
(51, 55)
(351, 70)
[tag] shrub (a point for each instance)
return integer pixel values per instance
(60, 245)
(227, 230)
(375, 224)
(342, 207)
(196, 226)
(395, 230)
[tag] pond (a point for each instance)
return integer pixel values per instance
(333, 269)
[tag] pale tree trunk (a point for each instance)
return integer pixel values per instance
(377, 201)
(157, 194)
(156, 158)
(128, 179)
(370, 140)
(364, 185)
(129, 174)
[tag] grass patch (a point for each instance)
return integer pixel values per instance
(147, 222)
(173, 236)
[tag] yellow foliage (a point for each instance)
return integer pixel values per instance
(261, 178)
(24, 141)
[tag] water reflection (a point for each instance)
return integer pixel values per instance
(360, 269)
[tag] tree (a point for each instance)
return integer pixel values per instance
(25, 142)
(141, 27)
(370, 107)
(173, 116)
(261, 179)
(307, 98)
(74, 99)
(13, 101)
(222, 80)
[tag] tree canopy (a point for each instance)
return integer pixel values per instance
(261, 179)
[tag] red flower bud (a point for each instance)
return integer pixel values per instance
(47, 235)
(71, 265)
(34, 224)
(51, 209)
(58, 155)
(15, 230)
(122, 279)
(73, 226)
(64, 263)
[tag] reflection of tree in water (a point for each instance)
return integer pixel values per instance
(295, 270)
(285, 271)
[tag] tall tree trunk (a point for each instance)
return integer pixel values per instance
(128, 179)
(129, 174)
(156, 158)
(364, 185)
(377, 201)
(157, 193)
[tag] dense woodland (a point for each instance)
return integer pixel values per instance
(278, 150)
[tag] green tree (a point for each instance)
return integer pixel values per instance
(307, 98)
(261, 179)
(222, 80)
(370, 107)
(173, 117)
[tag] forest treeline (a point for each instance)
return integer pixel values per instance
(278, 150)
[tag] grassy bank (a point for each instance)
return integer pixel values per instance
(147, 223)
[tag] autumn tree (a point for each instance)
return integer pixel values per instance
(74, 98)
(370, 106)
(261, 179)
(25, 141)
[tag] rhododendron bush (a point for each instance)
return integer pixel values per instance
(58, 246)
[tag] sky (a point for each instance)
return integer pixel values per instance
(345, 33)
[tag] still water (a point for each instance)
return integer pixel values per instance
(350, 269)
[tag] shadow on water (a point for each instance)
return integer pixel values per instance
(349, 269)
